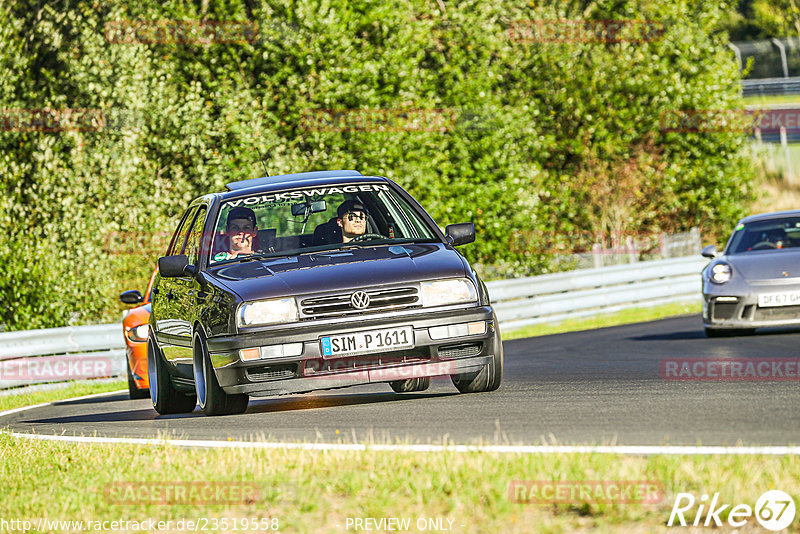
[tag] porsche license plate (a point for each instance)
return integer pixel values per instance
(773, 300)
(385, 339)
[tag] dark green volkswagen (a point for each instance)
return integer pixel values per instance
(310, 281)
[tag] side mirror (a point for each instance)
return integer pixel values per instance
(709, 252)
(175, 266)
(460, 234)
(132, 296)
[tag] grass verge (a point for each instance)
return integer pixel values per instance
(327, 491)
(633, 315)
(72, 390)
(318, 491)
(771, 99)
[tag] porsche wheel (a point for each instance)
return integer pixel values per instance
(133, 391)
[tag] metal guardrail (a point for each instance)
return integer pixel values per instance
(57, 354)
(587, 292)
(771, 86)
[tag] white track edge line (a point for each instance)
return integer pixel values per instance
(634, 450)
(43, 404)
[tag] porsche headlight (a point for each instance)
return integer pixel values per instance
(138, 333)
(720, 273)
(453, 291)
(267, 312)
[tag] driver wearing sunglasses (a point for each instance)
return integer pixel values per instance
(352, 218)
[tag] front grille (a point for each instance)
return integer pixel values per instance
(366, 361)
(724, 310)
(272, 372)
(379, 300)
(464, 350)
(777, 314)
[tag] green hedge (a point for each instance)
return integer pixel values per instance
(542, 145)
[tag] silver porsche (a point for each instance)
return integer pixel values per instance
(755, 282)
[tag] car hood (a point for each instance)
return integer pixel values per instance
(767, 265)
(340, 270)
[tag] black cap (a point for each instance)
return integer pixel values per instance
(241, 212)
(350, 205)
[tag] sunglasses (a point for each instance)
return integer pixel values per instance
(353, 217)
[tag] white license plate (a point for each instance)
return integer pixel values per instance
(779, 299)
(385, 339)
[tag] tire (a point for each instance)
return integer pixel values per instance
(729, 332)
(411, 384)
(488, 378)
(211, 397)
(134, 392)
(166, 399)
(713, 332)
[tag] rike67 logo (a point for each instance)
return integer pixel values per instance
(774, 510)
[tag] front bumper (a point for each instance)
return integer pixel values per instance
(311, 371)
(736, 307)
(137, 359)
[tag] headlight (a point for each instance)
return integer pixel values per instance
(454, 291)
(267, 312)
(138, 333)
(720, 273)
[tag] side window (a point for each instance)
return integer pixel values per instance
(179, 238)
(192, 249)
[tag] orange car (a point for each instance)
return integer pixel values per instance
(135, 326)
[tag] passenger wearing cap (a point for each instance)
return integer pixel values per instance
(241, 229)
(352, 219)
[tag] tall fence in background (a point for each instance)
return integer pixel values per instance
(774, 66)
(628, 249)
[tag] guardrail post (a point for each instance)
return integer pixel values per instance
(631, 246)
(597, 252)
(787, 156)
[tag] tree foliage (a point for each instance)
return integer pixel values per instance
(540, 144)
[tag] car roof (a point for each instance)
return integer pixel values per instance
(770, 215)
(266, 184)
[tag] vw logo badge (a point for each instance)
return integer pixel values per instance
(359, 300)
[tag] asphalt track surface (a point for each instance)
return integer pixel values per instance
(595, 387)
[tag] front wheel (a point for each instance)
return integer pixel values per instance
(411, 384)
(729, 332)
(488, 378)
(166, 399)
(133, 391)
(212, 398)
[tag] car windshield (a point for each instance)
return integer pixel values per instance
(295, 221)
(772, 234)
